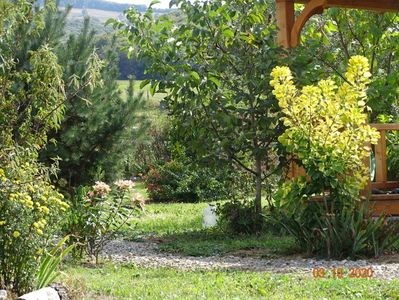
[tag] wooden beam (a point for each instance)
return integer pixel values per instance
(285, 16)
(387, 207)
(311, 8)
(386, 126)
(290, 29)
(375, 5)
(366, 192)
(385, 185)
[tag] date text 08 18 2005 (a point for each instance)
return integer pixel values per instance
(341, 272)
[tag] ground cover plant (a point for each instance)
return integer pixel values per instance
(178, 227)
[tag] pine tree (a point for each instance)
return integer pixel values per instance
(100, 124)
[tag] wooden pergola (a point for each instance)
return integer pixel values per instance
(290, 28)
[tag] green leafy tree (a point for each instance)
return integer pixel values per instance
(215, 69)
(329, 40)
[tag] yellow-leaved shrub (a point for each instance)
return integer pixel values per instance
(328, 134)
(326, 127)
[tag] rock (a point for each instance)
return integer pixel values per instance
(47, 293)
(3, 295)
(61, 290)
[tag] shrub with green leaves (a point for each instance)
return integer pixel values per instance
(97, 213)
(30, 208)
(32, 102)
(181, 179)
(327, 133)
(238, 217)
(215, 69)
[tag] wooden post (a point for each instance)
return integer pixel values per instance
(285, 16)
(381, 158)
(366, 192)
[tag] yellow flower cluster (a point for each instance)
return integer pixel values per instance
(326, 123)
(39, 226)
(2, 175)
(36, 199)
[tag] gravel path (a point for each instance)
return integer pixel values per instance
(147, 254)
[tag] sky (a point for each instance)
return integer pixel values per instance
(163, 4)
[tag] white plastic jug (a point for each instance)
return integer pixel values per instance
(210, 217)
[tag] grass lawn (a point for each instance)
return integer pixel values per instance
(214, 242)
(161, 219)
(179, 228)
(151, 103)
(116, 281)
(151, 100)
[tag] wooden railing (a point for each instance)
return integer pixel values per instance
(387, 203)
(380, 153)
(382, 203)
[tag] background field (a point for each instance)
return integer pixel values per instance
(101, 15)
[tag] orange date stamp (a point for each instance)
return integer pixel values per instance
(341, 272)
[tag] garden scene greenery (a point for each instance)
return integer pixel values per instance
(106, 182)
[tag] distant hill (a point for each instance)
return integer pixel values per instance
(96, 15)
(106, 5)
(99, 12)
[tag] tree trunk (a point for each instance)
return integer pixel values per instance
(258, 197)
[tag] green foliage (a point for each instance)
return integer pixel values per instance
(327, 130)
(392, 149)
(239, 217)
(219, 44)
(31, 103)
(30, 208)
(75, 220)
(50, 262)
(328, 134)
(329, 41)
(351, 232)
(153, 148)
(393, 155)
(100, 125)
(128, 281)
(97, 213)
